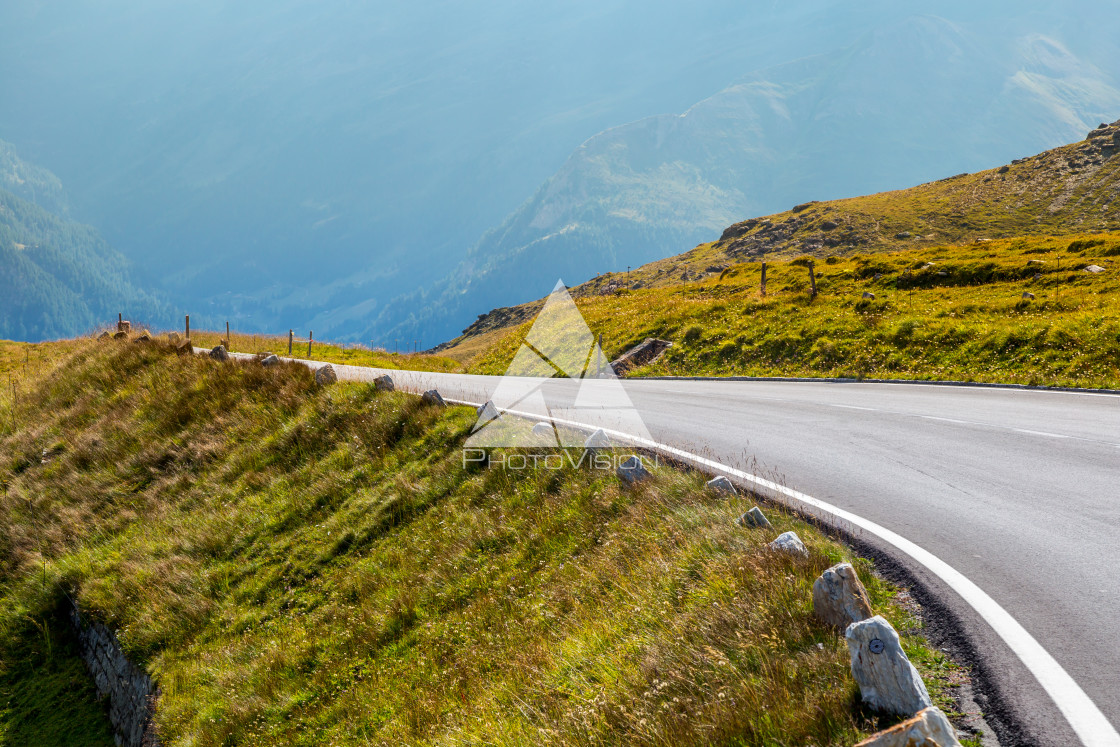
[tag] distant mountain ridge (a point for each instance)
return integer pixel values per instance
(1074, 189)
(60, 277)
(880, 114)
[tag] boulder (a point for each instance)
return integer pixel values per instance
(122, 335)
(384, 383)
(219, 353)
(721, 484)
(791, 543)
(543, 430)
(104, 336)
(184, 348)
(887, 680)
(597, 440)
(487, 412)
(1028, 295)
(433, 397)
(755, 518)
(1094, 269)
(173, 338)
(1003, 169)
(929, 728)
(839, 598)
(869, 295)
(272, 359)
(632, 471)
(144, 337)
(903, 235)
(325, 375)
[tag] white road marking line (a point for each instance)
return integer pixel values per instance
(1039, 433)
(946, 420)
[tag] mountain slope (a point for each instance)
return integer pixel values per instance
(1006, 275)
(61, 277)
(880, 114)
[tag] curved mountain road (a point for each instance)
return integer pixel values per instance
(1017, 490)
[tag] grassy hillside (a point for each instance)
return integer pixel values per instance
(948, 264)
(302, 565)
(970, 323)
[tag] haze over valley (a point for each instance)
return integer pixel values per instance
(301, 166)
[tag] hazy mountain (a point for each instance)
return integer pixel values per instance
(301, 163)
(60, 277)
(908, 102)
(297, 163)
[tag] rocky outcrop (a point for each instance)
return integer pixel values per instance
(839, 598)
(887, 680)
(930, 728)
(130, 692)
(647, 351)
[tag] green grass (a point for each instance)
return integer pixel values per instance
(971, 323)
(303, 565)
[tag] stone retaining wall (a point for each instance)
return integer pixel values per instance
(131, 693)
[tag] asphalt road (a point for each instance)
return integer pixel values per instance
(1018, 490)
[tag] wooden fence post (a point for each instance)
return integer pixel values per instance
(290, 337)
(229, 344)
(310, 337)
(599, 357)
(812, 281)
(762, 287)
(188, 327)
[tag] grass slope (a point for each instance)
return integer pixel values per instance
(948, 312)
(300, 565)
